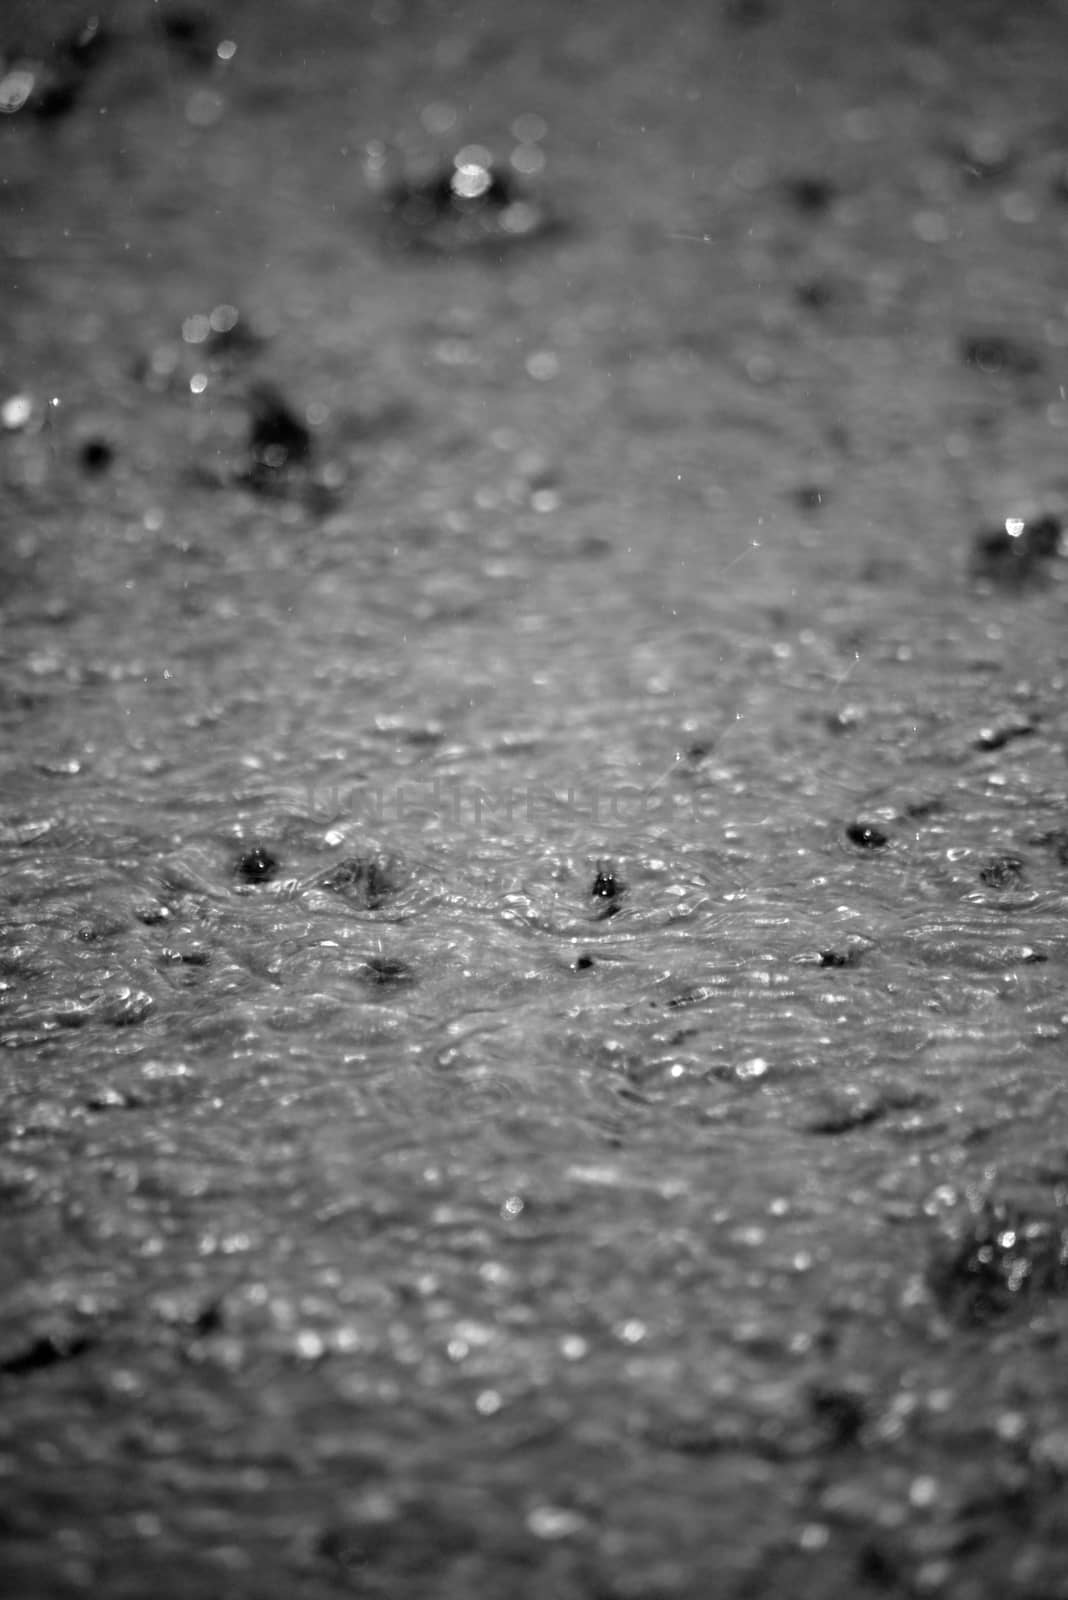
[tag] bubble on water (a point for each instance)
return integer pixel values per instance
(309, 1345)
(471, 180)
(16, 411)
(226, 49)
(196, 329)
(223, 318)
(257, 865)
(469, 203)
(866, 836)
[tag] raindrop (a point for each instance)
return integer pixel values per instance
(866, 836)
(16, 411)
(96, 455)
(257, 865)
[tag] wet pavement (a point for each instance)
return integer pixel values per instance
(533, 801)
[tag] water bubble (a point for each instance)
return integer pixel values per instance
(866, 836)
(16, 411)
(257, 865)
(470, 203)
(223, 319)
(310, 1346)
(471, 180)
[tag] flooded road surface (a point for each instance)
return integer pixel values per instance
(533, 801)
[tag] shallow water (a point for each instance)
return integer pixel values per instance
(556, 1165)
